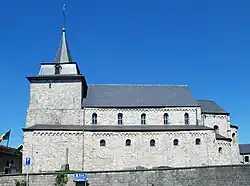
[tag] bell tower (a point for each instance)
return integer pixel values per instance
(58, 91)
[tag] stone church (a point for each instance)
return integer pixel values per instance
(120, 126)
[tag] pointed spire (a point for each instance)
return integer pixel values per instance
(63, 54)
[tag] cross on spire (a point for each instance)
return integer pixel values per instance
(63, 53)
(64, 15)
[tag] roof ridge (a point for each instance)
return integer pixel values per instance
(205, 100)
(177, 85)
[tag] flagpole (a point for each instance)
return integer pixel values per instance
(8, 139)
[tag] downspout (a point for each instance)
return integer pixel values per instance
(83, 138)
(197, 116)
(84, 95)
(207, 153)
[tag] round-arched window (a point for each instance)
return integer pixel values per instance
(176, 142)
(152, 143)
(128, 142)
(220, 149)
(198, 141)
(102, 143)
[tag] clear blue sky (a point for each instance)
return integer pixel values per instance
(204, 44)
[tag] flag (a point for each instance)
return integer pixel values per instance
(5, 136)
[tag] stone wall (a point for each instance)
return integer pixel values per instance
(154, 116)
(222, 121)
(58, 95)
(201, 176)
(44, 148)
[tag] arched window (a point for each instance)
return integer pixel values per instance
(198, 141)
(176, 142)
(233, 135)
(102, 143)
(94, 118)
(152, 143)
(186, 118)
(246, 158)
(128, 142)
(57, 68)
(120, 118)
(216, 128)
(220, 149)
(165, 118)
(143, 119)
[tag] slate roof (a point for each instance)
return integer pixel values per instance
(63, 53)
(117, 128)
(208, 106)
(220, 137)
(244, 148)
(9, 150)
(234, 126)
(138, 95)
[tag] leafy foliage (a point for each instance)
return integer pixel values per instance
(20, 183)
(65, 172)
(61, 179)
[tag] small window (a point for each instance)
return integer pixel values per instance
(216, 128)
(94, 118)
(49, 85)
(198, 141)
(186, 118)
(152, 143)
(233, 135)
(143, 119)
(220, 150)
(165, 118)
(57, 69)
(102, 143)
(176, 142)
(120, 118)
(246, 158)
(128, 142)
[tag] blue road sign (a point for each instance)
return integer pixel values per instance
(80, 177)
(27, 161)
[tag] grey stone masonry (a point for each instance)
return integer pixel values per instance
(237, 175)
(58, 95)
(55, 103)
(116, 155)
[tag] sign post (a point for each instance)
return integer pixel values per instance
(27, 163)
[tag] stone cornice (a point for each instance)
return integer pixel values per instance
(141, 109)
(117, 128)
(61, 78)
(121, 134)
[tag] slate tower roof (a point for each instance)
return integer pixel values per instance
(63, 53)
(63, 64)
